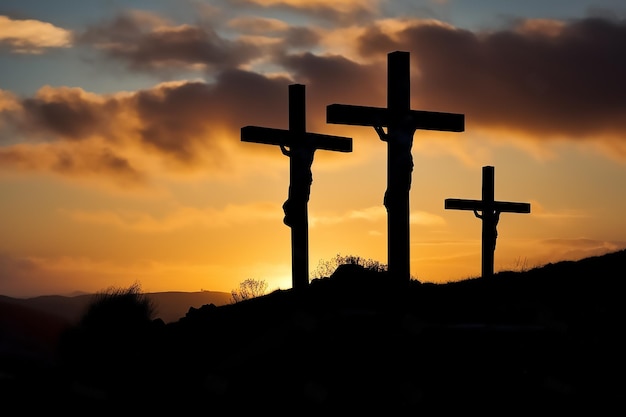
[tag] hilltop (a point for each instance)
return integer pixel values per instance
(548, 339)
(551, 337)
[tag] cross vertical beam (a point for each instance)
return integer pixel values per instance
(401, 123)
(300, 223)
(489, 231)
(398, 223)
(490, 215)
(300, 146)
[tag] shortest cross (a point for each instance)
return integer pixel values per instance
(490, 214)
(299, 145)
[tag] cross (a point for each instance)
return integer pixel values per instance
(401, 123)
(490, 214)
(299, 146)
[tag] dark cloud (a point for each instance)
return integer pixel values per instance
(173, 119)
(190, 119)
(243, 97)
(82, 162)
(68, 113)
(565, 81)
(103, 162)
(336, 77)
(184, 125)
(147, 43)
(301, 37)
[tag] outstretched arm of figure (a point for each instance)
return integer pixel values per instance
(477, 215)
(381, 133)
(284, 150)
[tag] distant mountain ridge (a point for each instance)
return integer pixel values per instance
(170, 306)
(34, 325)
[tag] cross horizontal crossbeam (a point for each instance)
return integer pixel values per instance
(479, 205)
(377, 116)
(271, 136)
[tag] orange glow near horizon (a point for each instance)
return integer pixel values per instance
(139, 174)
(212, 234)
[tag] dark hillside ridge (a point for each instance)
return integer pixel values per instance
(547, 337)
(546, 340)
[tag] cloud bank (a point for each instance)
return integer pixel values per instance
(546, 79)
(539, 79)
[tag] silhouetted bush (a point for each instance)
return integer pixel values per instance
(249, 288)
(325, 268)
(113, 345)
(119, 307)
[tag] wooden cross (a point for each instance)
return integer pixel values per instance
(401, 123)
(490, 214)
(299, 146)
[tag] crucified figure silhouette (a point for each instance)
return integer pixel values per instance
(401, 160)
(300, 185)
(496, 219)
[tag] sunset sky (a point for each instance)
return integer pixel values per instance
(121, 159)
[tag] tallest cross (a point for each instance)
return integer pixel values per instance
(401, 123)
